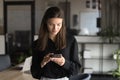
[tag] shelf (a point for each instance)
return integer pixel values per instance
(97, 56)
(98, 59)
(93, 40)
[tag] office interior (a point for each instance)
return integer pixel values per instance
(94, 23)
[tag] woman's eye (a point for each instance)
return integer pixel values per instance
(50, 24)
(59, 24)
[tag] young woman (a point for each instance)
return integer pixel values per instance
(55, 53)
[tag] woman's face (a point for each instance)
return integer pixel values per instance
(54, 26)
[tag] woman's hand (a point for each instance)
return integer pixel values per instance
(46, 59)
(60, 61)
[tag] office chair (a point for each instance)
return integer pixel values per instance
(4, 62)
(81, 76)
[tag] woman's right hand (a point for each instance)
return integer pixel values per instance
(46, 59)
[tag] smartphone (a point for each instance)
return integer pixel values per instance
(56, 55)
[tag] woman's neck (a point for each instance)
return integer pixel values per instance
(52, 38)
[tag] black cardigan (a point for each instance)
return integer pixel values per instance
(51, 69)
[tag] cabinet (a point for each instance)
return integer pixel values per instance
(96, 55)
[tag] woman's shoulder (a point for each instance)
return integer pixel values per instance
(35, 41)
(70, 38)
(34, 44)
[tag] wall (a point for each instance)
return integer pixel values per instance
(1, 12)
(86, 16)
(1, 17)
(77, 8)
(2, 44)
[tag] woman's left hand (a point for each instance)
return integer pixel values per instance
(60, 61)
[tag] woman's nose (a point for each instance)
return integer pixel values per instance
(55, 27)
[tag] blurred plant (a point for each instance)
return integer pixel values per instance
(116, 73)
(23, 56)
(110, 34)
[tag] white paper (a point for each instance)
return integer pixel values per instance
(27, 64)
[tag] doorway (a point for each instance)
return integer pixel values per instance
(19, 22)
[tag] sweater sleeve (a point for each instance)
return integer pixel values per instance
(36, 70)
(73, 66)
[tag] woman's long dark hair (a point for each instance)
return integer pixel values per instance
(60, 41)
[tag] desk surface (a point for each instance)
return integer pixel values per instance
(15, 74)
